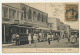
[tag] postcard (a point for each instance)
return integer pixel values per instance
(40, 27)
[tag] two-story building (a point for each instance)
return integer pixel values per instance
(21, 18)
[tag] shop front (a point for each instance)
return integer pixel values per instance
(7, 31)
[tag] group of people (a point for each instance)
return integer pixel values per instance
(72, 38)
(37, 38)
(34, 38)
(51, 37)
(15, 38)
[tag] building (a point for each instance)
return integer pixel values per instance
(65, 29)
(59, 27)
(55, 23)
(21, 18)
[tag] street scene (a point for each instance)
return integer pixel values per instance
(40, 25)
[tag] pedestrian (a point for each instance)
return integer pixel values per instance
(43, 36)
(68, 38)
(17, 39)
(35, 39)
(72, 39)
(57, 37)
(48, 38)
(52, 36)
(76, 37)
(29, 39)
(13, 38)
(40, 36)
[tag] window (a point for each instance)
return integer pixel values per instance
(46, 18)
(22, 16)
(58, 27)
(34, 15)
(24, 12)
(38, 17)
(17, 14)
(30, 14)
(22, 30)
(12, 13)
(50, 25)
(5, 12)
(42, 18)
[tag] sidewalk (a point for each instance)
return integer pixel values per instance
(3, 45)
(63, 43)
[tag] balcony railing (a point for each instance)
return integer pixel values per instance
(5, 19)
(16, 21)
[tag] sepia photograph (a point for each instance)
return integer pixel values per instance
(40, 25)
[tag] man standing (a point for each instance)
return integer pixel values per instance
(29, 39)
(52, 36)
(68, 38)
(35, 39)
(76, 37)
(57, 37)
(17, 39)
(13, 38)
(72, 39)
(48, 37)
(40, 36)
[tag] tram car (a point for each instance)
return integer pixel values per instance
(74, 32)
(24, 39)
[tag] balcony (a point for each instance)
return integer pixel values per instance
(5, 19)
(16, 21)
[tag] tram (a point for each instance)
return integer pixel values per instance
(74, 32)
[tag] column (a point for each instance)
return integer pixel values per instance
(4, 34)
(8, 13)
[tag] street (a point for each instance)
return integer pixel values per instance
(63, 43)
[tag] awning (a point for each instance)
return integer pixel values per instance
(26, 27)
(22, 26)
(15, 25)
(31, 27)
(43, 28)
